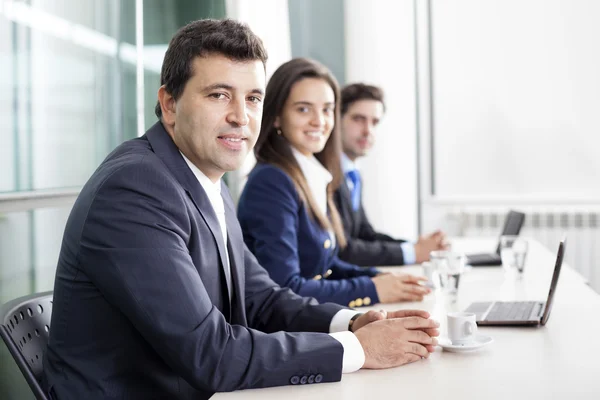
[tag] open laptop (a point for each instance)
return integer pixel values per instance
(512, 226)
(519, 312)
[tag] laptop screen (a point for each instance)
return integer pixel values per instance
(559, 260)
(512, 225)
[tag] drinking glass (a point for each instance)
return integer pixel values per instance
(513, 251)
(450, 265)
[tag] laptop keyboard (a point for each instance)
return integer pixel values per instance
(511, 311)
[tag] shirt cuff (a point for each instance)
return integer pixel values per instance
(354, 355)
(408, 251)
(341, 319)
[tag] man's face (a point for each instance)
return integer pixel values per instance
(358, 127)
(216, 121)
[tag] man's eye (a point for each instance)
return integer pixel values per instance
(303, 109)
(254, 99)
(218, 96)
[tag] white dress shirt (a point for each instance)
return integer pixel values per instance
(317, 177)
(213, 192)
(354, 355)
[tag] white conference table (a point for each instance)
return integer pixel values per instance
(558, 361)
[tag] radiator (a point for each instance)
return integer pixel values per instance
(548, 227)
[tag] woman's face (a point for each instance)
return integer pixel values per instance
(308, 115)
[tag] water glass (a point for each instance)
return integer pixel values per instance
(450, 265)
(430, 272)
(513, 251)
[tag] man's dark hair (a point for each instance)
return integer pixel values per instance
(226, 37)
(360, 91)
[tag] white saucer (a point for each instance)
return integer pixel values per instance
(480, 341)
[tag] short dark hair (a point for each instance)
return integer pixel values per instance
(230, 38)
(360, 91)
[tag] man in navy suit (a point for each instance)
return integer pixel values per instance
(362, 109)
(156, 295)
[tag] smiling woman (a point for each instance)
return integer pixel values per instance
(299, 115)
(286, 210)
(307, 118)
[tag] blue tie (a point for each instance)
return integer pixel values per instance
(354, 177)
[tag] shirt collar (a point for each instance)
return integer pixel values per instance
(213, 190)
(311, 167)
(347, 164)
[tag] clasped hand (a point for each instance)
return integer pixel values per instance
(390, 339)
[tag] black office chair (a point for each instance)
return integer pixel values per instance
(24, 327)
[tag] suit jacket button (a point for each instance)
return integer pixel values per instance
(327, 244)
(295, 380)
(317, 278)
(352, 304)
(304, 380)
(367, 301)
(318, 378)
(359, 302)
(326, 274)
(311, 379)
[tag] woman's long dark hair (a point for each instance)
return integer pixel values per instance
(274, 149)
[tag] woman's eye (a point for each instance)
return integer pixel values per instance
(218, 96)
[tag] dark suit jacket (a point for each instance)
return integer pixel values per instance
(141, 309)
(292, 247)
(365, 246)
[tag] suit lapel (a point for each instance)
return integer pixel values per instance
(167, 151)
(202, 203)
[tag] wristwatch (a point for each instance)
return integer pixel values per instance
(352, 320)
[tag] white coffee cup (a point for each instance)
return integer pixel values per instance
(462, 328)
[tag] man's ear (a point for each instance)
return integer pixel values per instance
(167, 105)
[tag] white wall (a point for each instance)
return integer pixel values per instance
(515, 94)
(516, 98)
(380, 51)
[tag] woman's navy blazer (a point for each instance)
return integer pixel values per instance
(293, 247)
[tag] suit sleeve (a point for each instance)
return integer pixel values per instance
(271, 310)
(134, 248)
(344, 270)
(268, 213)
